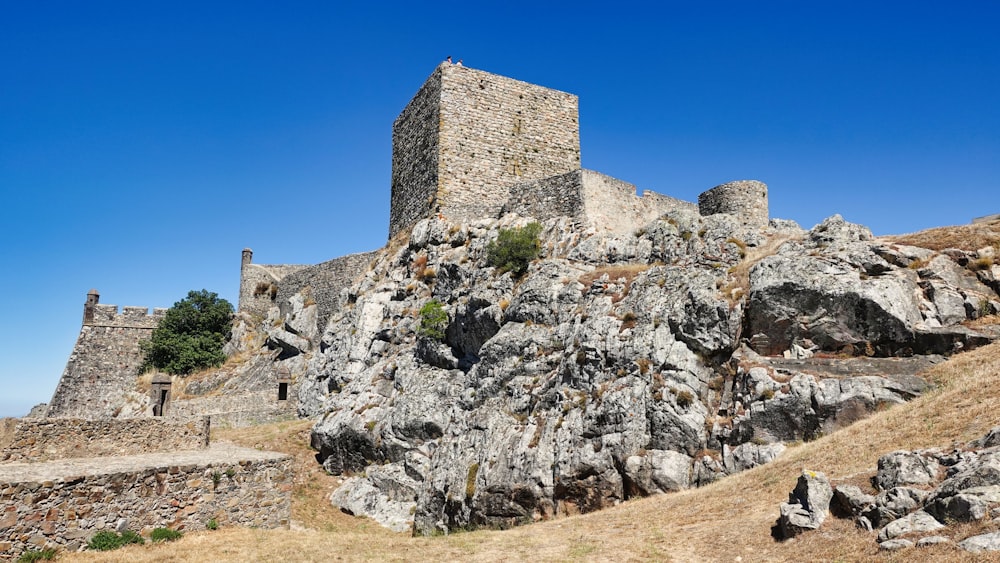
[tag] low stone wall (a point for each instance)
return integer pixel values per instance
(44, 439)
(63, 504)
(238, 410)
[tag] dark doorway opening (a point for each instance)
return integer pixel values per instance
(282, 391)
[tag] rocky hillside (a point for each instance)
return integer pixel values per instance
(617, 366)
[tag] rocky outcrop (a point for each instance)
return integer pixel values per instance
(617, 366)
(922, 494)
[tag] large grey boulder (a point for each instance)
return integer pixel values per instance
(905, 468)
(918, 521)
(386, 494)
(807, 507)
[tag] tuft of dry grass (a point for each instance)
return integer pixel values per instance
(625, 273)
(739, 284)
(964, 237)
(729, 520)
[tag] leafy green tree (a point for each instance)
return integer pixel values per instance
(190, 335)
(433, 320)
(514, 249)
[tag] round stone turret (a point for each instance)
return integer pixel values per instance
(246, 258)
(746, 199)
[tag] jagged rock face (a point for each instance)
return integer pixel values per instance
(609, 370)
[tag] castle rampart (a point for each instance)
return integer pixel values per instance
(325, 281)
(468, 135)
(744, 199)
(104, 363)
(259, 283)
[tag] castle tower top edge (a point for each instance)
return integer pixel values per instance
(468, 135)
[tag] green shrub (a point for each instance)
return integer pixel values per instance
(212, 524)
(433, 320)
(33, 555)
(165, 534)
(514, 249)
(106, 540)
(190, 335)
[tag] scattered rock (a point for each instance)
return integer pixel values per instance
(807, 506)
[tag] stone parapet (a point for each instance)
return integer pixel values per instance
(63, 504)
(45, 439)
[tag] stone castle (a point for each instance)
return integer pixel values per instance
(472, 145)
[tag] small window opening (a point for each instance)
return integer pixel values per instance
(282, 391)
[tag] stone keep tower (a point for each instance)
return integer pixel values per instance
(468, 135)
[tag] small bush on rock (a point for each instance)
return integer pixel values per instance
(433, 320)
(514, 249)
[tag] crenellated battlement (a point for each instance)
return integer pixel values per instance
(99, 314)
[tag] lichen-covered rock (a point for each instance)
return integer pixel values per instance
(807, 507)
(615, 366)
(905, 468)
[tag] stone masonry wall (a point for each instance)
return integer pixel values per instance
(596, 200)
(415, 156)
(468, 135)
(495, 132)
(612, 204)
(63, 504)
(237, 410)
(256, 297)
(45, 439)
(325, 280)
(745, 199)
(104, 363)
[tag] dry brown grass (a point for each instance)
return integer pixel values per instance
(739, 283)
(727, 521)
(625, 273)
(965, 237)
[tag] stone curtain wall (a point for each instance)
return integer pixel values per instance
(46, 439)
(415, 156)
(239, 410)
(468, 135)
(63, 504)
(326, 280)
(596, 200)
(556, 196)
(745, 199)
(496, 131)
(104, 363)
(612, 204)
(253, 276)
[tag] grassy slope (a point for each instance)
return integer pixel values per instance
(727, 521)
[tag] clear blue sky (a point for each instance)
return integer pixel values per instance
(143, 145)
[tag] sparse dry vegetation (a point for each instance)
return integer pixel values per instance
(727, 521)
(617, 273)
(964, 237)
(739, 275)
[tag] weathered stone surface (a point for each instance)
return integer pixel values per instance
(905, 468)
(849, 501)
(918, 521)
(807, 506)
(982, 542)
(386, 494)
(894, 545)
